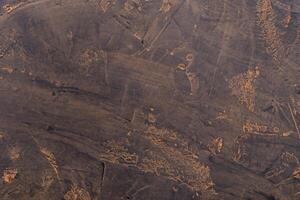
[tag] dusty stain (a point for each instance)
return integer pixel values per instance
(242, 86)
(9, 175)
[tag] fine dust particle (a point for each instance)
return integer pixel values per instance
(14, 153)
(9, 175)
(77, 193)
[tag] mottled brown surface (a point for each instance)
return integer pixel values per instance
(150, 99)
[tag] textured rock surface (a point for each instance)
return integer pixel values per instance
(150, 99)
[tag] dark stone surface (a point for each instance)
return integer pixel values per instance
(150, 99)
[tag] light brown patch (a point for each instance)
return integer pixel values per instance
(9, 175)
(242, 86)
(77, 193)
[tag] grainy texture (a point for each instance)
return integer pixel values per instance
(150, 99)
